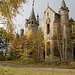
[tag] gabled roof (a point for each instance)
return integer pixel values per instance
(50, 9)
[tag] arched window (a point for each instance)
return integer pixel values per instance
(32, 22)
(48, 48)
(48, 28)
(48, 21)
(47, 13)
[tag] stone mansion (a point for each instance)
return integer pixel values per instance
(57, 31)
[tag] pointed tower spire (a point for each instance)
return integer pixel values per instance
(32, 16)
(63, 4)
(32, 23)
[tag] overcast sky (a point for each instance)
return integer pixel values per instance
(40, 7)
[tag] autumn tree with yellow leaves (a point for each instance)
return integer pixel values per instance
(8, 12)
(9, 9)
(29, 47)
(7, 36)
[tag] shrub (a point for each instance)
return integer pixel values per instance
(51, 57)
(10, 55)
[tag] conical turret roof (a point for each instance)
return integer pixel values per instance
(32, 16)
(63, 4)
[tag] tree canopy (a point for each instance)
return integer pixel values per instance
(8, 11)
(9, 8)
(29, 46)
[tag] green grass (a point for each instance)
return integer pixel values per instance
(16, 71)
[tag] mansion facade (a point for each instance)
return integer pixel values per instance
(57, 32)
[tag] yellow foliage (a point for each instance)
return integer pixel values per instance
(9, 10)
(7, 36)
(29, 33)
(28, 46)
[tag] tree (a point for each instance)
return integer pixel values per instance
(10, 55)
(30, 46)
(18, 46)
(36, 44)
(9, 10)
(7, 36)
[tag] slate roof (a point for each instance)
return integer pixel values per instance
(63, 4)
(32, 16)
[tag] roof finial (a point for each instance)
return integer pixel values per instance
(33, 3)
(48, 4)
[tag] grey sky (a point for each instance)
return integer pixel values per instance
(40, 7)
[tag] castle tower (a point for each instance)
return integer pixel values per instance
(32, 23)
(64, 13)
(66, 42)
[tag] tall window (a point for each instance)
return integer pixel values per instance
(74, 53)
(32, 22)
(48, 28)
(48, 48)
(47, 14)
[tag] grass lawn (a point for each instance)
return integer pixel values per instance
(16, 71)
